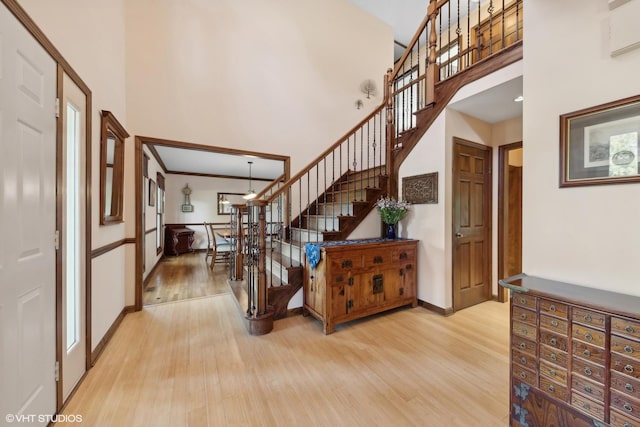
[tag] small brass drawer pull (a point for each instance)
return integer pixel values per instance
(628, 368)
(525, 331)
(629, 329)
(626, 424)
(551, 387)
(552, 307)
(628, 387)
(523, 345)
(523, 300)
(585, 405)
(377, 260)
(628, 349)
(553, 356)
(523, 360)
(588, 389)
(554, 323)
(587, 317)
(523, 316)
(587, 371)
(588, 336)
(628, 407)
(586, 353)
(553, 341)
(552, 372)
(523, 375)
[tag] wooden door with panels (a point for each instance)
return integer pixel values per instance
(471, 262)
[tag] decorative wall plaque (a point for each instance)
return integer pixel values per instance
(420, 189)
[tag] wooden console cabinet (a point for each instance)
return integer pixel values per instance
(357, 278)
(575, 355)
(177, 240)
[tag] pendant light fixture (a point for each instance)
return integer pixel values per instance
(250, 194)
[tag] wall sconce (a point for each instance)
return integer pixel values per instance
(359, 104)
(368, 87)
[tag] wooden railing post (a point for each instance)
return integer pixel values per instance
(391, 126)
(238, 234)
(433, 72)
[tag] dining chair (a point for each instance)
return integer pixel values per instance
(221, 248)
(209, 253)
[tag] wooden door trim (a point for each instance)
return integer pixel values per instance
(503, 293)
(488, 198)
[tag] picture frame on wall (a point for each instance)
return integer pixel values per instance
(601, 144)
(226, 200)
(152, 192)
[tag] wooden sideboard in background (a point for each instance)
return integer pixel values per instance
(178, 240)
(357, 278)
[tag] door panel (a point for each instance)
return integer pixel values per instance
(471, 224)
(27, 222)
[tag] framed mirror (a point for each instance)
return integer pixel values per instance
(112, 138)
(226, 200)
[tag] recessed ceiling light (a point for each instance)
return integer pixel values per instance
(519, 99)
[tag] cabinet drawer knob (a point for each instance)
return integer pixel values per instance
(523, 360)
(552, 372)
(588, 389)
(553, 341)
(587, 371)
(554, 323)
(588, 336)
(523, 316)
(586, 353)
(626, 424)
(523, 375)
(585, 405)
(628, 387)
(628, 368)
(523, 345)
(629, 329)
(523, 300)
(553, 356)
(551, 388)
(525, 331)
(628, 349)
(587, 317)
(552, 307)
(627, 407)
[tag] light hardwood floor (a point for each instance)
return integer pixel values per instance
(192, 363)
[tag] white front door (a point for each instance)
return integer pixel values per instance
(73, 202)
(27, 226)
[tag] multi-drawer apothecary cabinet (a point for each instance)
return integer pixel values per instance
(357, 278)
(575, 355)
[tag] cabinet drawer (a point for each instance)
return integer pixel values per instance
(625, 384)
(587, 405)
(589, 352)
(625, 327)
(625, 404)
(378, 258)
(588, 388)
(588, 335)
(556, 390)
(553, 324)
(525, 375)
(525, 330)
(553, 340)
(553, 355)
(524, 359)
(625, 346)
(553, 308)
(523, 345)
(627, 366)
(553, 372)
(524, 315)
(588, 370)
(621, 420)
(588, 317)
(524, 301)
(345, 264)
(402, 255)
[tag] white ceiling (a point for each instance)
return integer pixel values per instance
(404, 16)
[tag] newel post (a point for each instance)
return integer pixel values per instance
(433, 71)
(237, 233)
(390, 128)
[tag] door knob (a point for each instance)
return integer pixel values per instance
(459, 235)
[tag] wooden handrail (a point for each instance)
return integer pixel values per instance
(409, 48)
(408, 85)
(270, 186)
(325, 153)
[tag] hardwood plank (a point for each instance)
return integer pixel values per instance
(192, 363)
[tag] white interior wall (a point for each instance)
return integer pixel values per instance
(583, 235)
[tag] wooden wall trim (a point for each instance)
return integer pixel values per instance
(109, 334)
(111, 246)
(442, 311)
